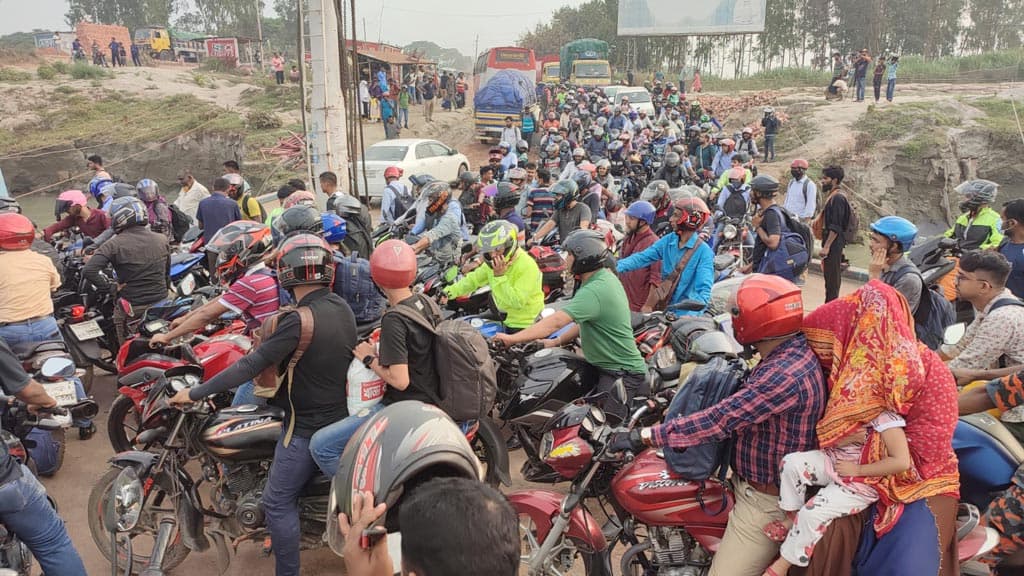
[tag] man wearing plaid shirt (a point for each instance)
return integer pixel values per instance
(773, 414)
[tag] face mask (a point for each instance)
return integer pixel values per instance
(798, 174)
(1008, 225)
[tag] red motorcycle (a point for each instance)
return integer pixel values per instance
(668, 523)
(139, 367)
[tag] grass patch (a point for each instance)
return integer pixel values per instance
(46, 72)
(154, 120)
(272, 98)
(796, 132)
(897, 122)
(1000, 121)
(218, 65)
(768, 79)
(83, 71)
(202, 80)
(65, 89)
(14, 75)
(60, 66)
(260, 120)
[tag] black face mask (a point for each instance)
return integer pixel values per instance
(798, 174)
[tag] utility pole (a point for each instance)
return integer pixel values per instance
(476, 49)
(259, 29)
(327, 143)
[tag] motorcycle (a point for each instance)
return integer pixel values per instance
(234, 447)
(734, 246)
(938, 259)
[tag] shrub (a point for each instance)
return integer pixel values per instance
(60, 66)
(46, 72)
(83, 71)
(65, 89)
(14, 75)
(260, 120)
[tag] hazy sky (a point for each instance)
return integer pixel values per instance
(448, 23)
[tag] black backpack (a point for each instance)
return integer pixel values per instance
(707, 385)
(403, 200)
(180, 222)
(934, 313)
(791, 257)
(735, 204)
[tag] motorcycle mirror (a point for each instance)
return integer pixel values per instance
(619, 391)
(688, 306)
(58, 366)
(954, 334)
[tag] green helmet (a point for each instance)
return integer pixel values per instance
(498, 236)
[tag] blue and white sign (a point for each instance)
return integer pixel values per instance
(684, 17)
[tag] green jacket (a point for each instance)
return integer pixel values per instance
(518, 292)
(984, 231)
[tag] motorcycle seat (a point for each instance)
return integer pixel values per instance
(26, 350)
(318, 485)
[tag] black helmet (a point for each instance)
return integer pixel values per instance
(401, 446)
(420, 180)
(435, 196)
(582, 179)
(588, 248)
(564, 192)
(765, 186)
(126, 212)
(9, 205)
(346, 205)
(298, 218)
(305, 259)
(672, 160)
(468, 178)
(507, 196)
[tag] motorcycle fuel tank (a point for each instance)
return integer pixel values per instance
(246, 432)
(549, 379)
(653, 494)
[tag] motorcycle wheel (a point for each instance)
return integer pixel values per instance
(146, 528)
(483, 452)
(123, 424)
(565, 553)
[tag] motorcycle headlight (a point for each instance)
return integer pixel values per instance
(125, 500)
(729, 232)
(547, 442)
(187, 285)
(665, 357)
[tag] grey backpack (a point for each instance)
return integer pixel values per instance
(464, 366)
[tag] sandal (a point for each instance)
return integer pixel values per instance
(776, 532)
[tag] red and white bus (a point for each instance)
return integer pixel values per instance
(505, 58)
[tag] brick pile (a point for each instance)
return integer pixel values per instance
(101, 33)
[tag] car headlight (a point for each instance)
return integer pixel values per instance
(126, 499)
(729, 232)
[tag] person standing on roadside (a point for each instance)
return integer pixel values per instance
(191, 194)
(215, 212)
(860, 72)
(890, 75)
(136, 61)
(277, 62)
(428, 98)
(802, 193)
(115, 53)
(364, 98)
(835, 219)
(403, 109)
(876, 80)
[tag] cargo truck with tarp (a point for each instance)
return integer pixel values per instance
(585, 63)
(508, 93)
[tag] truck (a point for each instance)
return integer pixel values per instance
(508, 93)
(585, 63)
(547, 71)
(161, 43)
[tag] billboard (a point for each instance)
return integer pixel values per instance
(223, 49)
(682, 17)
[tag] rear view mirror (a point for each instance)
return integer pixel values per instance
(619, 392)
(58, 367)
(954, 334)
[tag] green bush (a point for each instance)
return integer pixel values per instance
(60, 66)
(14, 75)
(218, 65)
(46, 72)
(83, 71)
(65, 89)
(260, 120)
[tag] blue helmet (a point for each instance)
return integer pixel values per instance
(896, 229)
(642, 210)
(148, 190)
(126, 212)
(97, 184)
(335, 228)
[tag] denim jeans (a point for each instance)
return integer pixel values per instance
(246, 394)
(403, 117)
(890, 89)
(769, 146)
(328, 443)
(292, 468)
(25, 511)
(42, 330)
(860, 88)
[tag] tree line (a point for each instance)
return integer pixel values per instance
(799, 33)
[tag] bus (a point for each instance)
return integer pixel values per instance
(505, 58)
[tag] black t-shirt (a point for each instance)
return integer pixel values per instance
(403, 341)
(771, 223)
(13, 379)
(837, 218)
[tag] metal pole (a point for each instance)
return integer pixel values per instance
(302, 91)
(329, 151)
(259, 29)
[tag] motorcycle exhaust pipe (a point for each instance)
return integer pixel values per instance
(163, 538)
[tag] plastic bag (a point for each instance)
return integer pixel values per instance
(365, 387)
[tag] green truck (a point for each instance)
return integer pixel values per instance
(585, 63)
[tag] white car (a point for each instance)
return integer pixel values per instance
(639, 99)
(413, 156)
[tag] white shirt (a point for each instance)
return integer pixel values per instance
(795, 198)
(364, 91)
(188, 201)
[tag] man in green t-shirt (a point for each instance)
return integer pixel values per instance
(600, 310)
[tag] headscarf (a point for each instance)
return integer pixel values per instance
(874, 363)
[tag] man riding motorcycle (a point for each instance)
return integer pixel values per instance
(672, 172)
(440, 231)
(513, 276)
(979, 226)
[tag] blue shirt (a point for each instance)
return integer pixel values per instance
(382, 79)
(695, 281)
(722, 162)
(215, 212)
(1015, 255)
(516, 219)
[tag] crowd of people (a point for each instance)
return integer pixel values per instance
(386, 98)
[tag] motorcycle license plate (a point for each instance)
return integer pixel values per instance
(88, 330)
(63, 392)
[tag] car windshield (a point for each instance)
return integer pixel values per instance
(386, 153)
(591, 70)
(642, 97)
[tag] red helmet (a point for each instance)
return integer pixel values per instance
(589, 167)
(764, 307)
(299, 197)
(393, 172)
(16, 232)
(690, 213)
(393, 265)
(800, 163)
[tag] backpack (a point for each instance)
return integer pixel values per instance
(934, 313)
(245, 208)
(707, 385)
(268, 382)
(735, 204)
(180, 222)
(464, 367)
(353, 283)
(791, 257)
(403, 200)
(852, 230)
